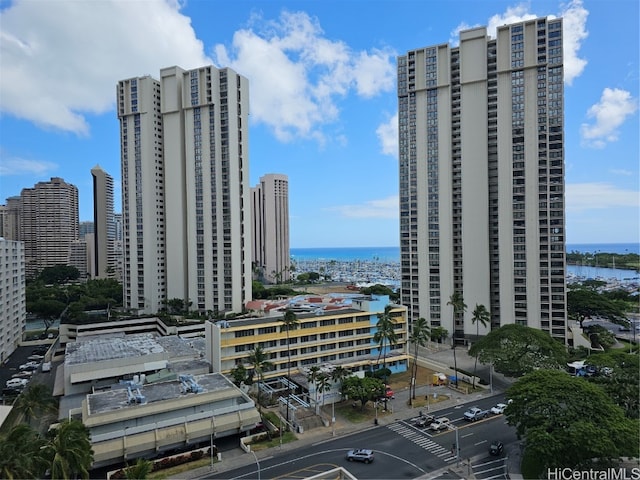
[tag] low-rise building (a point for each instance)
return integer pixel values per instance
(131, 420)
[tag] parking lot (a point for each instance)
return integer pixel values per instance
(12, 367)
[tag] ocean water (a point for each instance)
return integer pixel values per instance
(347, 254)
(392, 254)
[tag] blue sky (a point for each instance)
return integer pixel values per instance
(322, 95)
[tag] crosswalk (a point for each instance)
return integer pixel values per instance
(422, 440)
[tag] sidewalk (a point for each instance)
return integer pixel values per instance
(401, 411)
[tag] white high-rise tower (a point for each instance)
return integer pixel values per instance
(482, 211)
(186, 220)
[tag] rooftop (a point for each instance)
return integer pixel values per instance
(131, 396)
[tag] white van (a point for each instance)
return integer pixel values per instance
(46, 367)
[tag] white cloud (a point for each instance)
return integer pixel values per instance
(383, 208)
(62, 60)
(620, 171)
(388, 136)
(297, 75)
(21, 166)
(609, 113)
(597, 195)
(575, 32)
(574, 23)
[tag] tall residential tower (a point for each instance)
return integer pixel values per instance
(481, 145)
(104, 264)
(49, 219)
(185, 192)
(270, 227)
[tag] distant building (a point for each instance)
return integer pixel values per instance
(48, 224)
(104, 259)
(13, 310)
(81, 255)
(185, 191)
(10, 218)
(86, 228)
(270, 232)
(482, 212)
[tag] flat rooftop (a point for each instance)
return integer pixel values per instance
(98, 348)
(118, 397)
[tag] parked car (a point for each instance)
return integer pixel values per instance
(424, 421)
(496, 448)
(29, 366)
(441, 423)
(360, 455)
(35, 357)
(498, 409)
(16, 382)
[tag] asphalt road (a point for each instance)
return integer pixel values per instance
(402, 450)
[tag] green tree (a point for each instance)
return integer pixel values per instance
(58, 274)
(312, 377)
(438, 334)
(260, 364)
(515, 350)
(323, 384)
(362, 389)
(385, 334)
(339, 374)
(480, 316)
(418, 338)
(568, 422)
(289, 322)
(69, 450)
(35, 401)
(583, 302)
(21, 454)
(239, 375)
(623, 383)
(459, 307)
(139, 470)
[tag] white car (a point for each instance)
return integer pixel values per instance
(498, 409)
(441, 423)
(17, 382)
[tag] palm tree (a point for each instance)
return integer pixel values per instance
(459, 307)
(289, 322)
(385, 334)
(314, 373)
(260, 363)
(35, 401)
(480, 316)
(21, 453)
(70, 451)
(339, 374)
(139, 470)
(419, 338)
(323, 384)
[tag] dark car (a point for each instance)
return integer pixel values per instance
(424, 421)
(360, 455)
(496, 448)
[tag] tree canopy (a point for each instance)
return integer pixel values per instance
(586, 303)
(363, 389)
(569, 422)
(516, 349)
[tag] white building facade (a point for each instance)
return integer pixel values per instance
(13, 310)
(185, 164)
(481, 151)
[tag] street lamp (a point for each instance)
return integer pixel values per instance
(333, 416)
(257, 462)
(213, 433)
